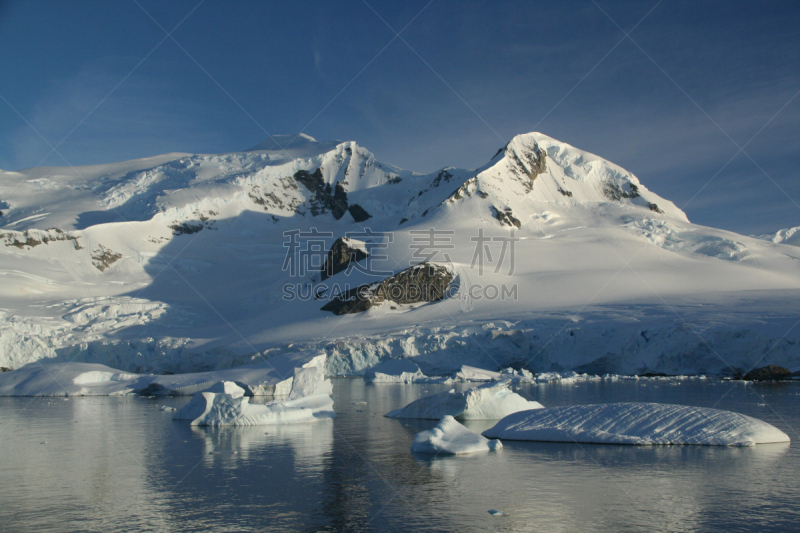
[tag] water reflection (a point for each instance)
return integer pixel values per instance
(118, 464)
(310, 443)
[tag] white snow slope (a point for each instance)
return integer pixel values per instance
(637, 423)
(184, 263)
(784, 236)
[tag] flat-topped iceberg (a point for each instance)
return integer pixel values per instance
(637, 423)
(450, 437)
(309, 400)
(491, 401)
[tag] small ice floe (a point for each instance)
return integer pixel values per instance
(451, 438)
(167, 408)
(495, 512)
(637, 423)
(490, 401)
(309, 400)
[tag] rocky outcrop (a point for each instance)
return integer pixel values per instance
(102, 258)
(324, 198)
(505, 216)
(34, 237)
(425, 282)
(768, 373)
(530, 161)
(615, 192)
(343, 252)
(358, 213)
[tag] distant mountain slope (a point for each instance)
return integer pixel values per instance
(183, 262)
(784, 236)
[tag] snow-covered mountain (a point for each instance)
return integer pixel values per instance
(556, 259)
(784, 236)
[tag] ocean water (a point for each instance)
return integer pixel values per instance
(122, 464)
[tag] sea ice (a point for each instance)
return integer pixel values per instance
(636, 423)
(490, 401)
(450, 437)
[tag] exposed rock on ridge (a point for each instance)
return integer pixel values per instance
(343, 252)
(425, 282)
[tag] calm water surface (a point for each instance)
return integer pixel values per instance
(121, 464)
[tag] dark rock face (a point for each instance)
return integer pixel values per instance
(324, 198)
(530, 163)
(340, 256)
(505, 216)
(767, 373)
(358, 213)
(102, 258)
(29, 239)
(186, 228)
(4, 369)
(421, 283)
(614, 192)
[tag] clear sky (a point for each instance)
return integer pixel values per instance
(699, 99)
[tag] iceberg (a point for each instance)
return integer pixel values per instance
(394, 371)
(490, 401)
(309, 400)
(637, 423)
(450, 437)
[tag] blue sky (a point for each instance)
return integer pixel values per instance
(673, 101)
